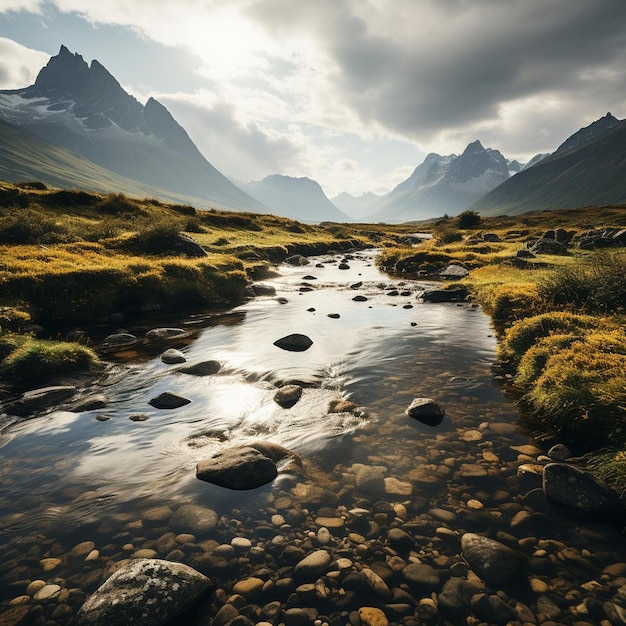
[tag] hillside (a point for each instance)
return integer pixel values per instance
(84, 109)
(591, 173)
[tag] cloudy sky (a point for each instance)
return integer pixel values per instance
(351, 93)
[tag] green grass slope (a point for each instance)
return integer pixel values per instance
(592, 174)
(26, 157)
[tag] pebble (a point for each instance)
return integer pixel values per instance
(372, 616)
(47, 592)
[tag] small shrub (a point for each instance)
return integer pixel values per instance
(183, 209)
(27, 226)
(468, 219)
(118, 204)
(159, 238)
(39, 361)
(69, 198)
(449, 235)
(596, 284)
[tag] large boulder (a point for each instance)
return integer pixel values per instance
(37, 400)
(163, 334)
(118, 341)
(454, 271)
(294, 343)
(456, 294)
(238, 468)
(577, 489)
(144, 592)
(548, 246)
(491, 560)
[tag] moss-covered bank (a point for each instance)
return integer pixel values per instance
(559, 320)
(71, 257)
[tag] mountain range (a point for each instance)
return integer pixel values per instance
(295, 198)
(77, 127)
(83, 109)
(589, 168)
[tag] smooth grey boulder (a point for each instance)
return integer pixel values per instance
(172, 356)
(203, 368)
(237, 468)
(163, 334)
(38, 400)
(288, 395)
(297, 259)
(313, 565)
(491, 560)
(426, 411)
(90, 403)
(457, 294)
(454, 271)
(168, 400)
(194, 519)
(294, 343)
(118, 341)
(144, 592)
(578, 490)
(259, 289)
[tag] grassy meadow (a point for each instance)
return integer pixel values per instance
(73, 257)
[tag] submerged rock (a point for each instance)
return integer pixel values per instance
(193, 518)
(294, 343)
(90, 403)
(288, 395)
(426, 411)
(578, 490)
(38, 400)
(491, 560)
(144, 592)
(237, 468)
(203, 368)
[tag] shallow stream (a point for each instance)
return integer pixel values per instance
(79, 493)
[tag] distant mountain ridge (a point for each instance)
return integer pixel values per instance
(589, 168)
(444, 185)
(84, 109)
(298, 198)
(357, 207)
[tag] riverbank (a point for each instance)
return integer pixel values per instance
(72, 258)
(553, 284)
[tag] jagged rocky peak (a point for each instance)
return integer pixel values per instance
(475, 162)
(595, 129)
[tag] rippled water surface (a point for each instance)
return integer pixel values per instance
(68, 477)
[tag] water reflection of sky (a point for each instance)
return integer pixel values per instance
(353, 356)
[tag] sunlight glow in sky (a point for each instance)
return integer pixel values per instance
(351, 93)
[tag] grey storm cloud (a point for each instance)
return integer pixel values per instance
(464, 58)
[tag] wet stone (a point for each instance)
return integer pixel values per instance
(237, 468)
(203, 368)
(288, 396)
(372, 616)
(491, 560)
(313, 565)
(173, 356)
(421, 577)
(193, 518)
(168, 400)
(426, 411)
(90, 403)
(163, 334)
(294, 343)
